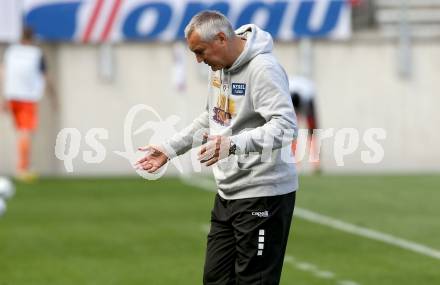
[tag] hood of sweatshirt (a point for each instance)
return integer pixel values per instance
(257, 42)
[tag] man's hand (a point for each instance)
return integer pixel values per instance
(215, 149)
(153, 160)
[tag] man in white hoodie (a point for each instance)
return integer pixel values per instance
(250, 123)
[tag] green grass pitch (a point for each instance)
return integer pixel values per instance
(132, 231)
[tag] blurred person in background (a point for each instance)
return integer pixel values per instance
(303, 92)
(248, 101)
(25, 79)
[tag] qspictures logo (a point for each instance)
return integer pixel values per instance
(346, 142)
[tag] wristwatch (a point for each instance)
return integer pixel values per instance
(232, 148)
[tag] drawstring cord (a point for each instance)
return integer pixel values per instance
(226, 90)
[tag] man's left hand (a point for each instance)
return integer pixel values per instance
(215, 149)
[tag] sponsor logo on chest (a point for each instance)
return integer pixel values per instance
(238, 89)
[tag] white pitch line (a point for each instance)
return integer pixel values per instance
(305, 266)
(316, 271)
(325, 274)
(310, 216)
(347, 282)
(365, 232)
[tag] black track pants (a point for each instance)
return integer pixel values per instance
(247, 240)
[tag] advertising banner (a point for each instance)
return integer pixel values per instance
(165, 20)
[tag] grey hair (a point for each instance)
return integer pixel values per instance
(208, 24)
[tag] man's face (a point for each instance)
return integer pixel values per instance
(211, 53)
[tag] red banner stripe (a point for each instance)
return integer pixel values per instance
(111, 19)
(92, 21)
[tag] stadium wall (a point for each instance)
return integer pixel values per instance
(358, 87)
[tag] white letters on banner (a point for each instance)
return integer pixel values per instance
(10, 20)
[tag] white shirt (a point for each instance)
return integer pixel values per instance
(24, 79)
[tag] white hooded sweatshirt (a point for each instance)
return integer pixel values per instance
(250, 103)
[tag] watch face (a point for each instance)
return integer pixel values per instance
(232, 149)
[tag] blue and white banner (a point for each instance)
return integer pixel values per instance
(10, 20)
(164, 20)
